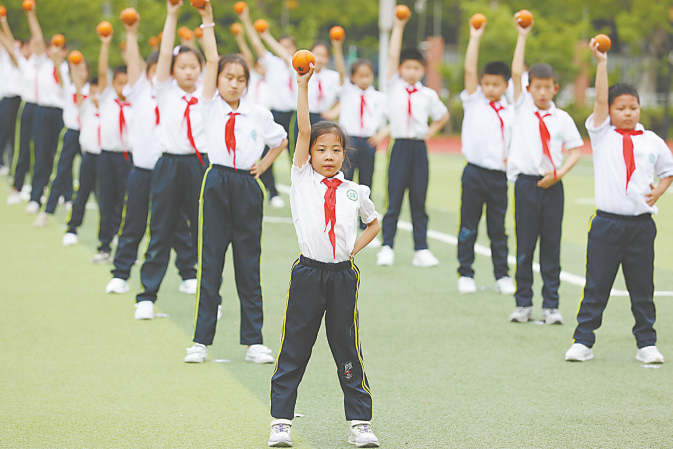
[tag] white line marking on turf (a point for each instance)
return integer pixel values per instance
(484, 251)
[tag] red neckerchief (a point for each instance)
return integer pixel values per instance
(122, 124)
(229, 136)
(627, 149)
(546, 138)
(192, 101)
(330, 208)
(363, 105)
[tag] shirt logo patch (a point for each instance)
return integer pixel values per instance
(652, 159)
(352, 195)
(559, 136)
(253, 134)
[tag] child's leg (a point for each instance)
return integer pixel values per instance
(123, 167)
(472, 201)
(550, 244)
(367, 156)
(605, 252)
(26, 135)
(186, 257)
(342, 326)
(418, 189)
(399, 178)
(496, 208)
(527, 228)
(638, 269)
(303, 314)
(106, 184)
(62, 184)
(87, 183)
(352, 160)
(46, 130)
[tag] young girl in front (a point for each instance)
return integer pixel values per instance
(232, 200)
(324, 279)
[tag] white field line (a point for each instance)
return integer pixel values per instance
(481, 250)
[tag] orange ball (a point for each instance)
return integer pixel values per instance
(3, 11)
(604, 43)
(261, 25)
(402, 12)
(174, 2)
(184, 32)
(58, 40)
(104, 28)
(200, 4)
(122, 45)
(301, 61)
(130, 16)
(28, 5)
(337, 33)
(75, 57)
(236, 28)
(198, 32)
(478, 20)
(153, 41)
(239, 7)
(524, 18)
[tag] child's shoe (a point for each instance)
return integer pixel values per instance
(188, 286)
(41, 221)
(466, 285)
(552, 316)
(32, 208)
(579, 353)
(424, 258)
(505, 286)
(101, 258)
(522, 315)
(362, 435)
(280, 433)
(196, 354)
(385, 257)
(649, 354)
(69, 239)
(13, 198)
(259, 354)
(277, 202)
(144, 310)
(117, 285)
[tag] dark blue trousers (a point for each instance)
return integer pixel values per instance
(62, 183)
(483, 187)
(87, 184)
(24, 160)
(538, 214)
(112, 172)
(408, 170)
(360, 155)
(232, 205)
(318, 289)
(47, 127)
(9, 108)
(288, 120)
(136, 209)
(616, 240)
(176, 187)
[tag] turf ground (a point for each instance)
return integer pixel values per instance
(447, 371)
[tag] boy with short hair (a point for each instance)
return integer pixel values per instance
(622, 231)
(410, 105)
(485, 134)
(540, 133)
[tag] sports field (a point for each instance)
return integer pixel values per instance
(447, 371)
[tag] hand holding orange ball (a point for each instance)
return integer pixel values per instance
(604, 43)
(75, 57)
(478, 20)
(239, 7)
(236, 29)
(3, 11)
(524, 18)
(402, 12)
(104, 28)
(261, 25)
(28, 5)
(58, 40)
(337, 33)
(200, 4)
(302, 60)
(198, 32)
(129, 16)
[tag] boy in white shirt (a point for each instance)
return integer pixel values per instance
(10, 92)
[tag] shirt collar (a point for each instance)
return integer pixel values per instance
(243, 106)
(319, 177)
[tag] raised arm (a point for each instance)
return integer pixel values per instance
(245, 50)
(210, 50)
(601, 107)
(395, 46)
(339, 63)
(37, 43)
(56, 55)
(5, 28)
(257, 45)
(135, 64)
(276, 48)
(167, 41)
(301, 151)
(518, 62)
(7, 42)
(472, 59)
(78, 82)
(103, 59)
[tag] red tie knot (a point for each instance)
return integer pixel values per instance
(332, 183)
(496, 106)
(190, 102)
(628, 132)
(540, 116)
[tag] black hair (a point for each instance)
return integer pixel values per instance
(413, 54)
(184, 49)
(93, 81)
(152, 58)
(327, 127)
(233, 58)
(621, 89)
(323, 43)
(498, 68)
(118, 70)
(359, 63)
(541, 71)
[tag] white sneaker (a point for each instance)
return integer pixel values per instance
(552, 316)
(259, 354)
(280, 433)
(32, 208)
(144, 310)
(385, 257)
(649, 354)
(13, 198)
(362, 435)
(579, 353)
(375, 243)
(68, 206)
(69, 239)
(4, 170)
(41, 221)
(424, 258)
(102, 257)
(219, 312)
(466, 285)
(522, 315)
(25, 193)
(117, 285)
(277, 202)
(196, 354)
(505, 285)
(188, 286)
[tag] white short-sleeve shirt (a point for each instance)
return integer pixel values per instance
(323, 88)
(651, 155)
(50, 93)
(71, 118)
(484, 141)
(28, 77)
(253, 129)
(89, 134)
(111, 137)
(526, 155)
(11, 76)
(172, 101)
(258, 90)
(281, 80)
(425, 104)
(358, 117)
(145, 132)
(307, 202)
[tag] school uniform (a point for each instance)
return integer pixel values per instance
(622, 231)
(145, 132)
(232, 205)
(538, 212)
(28, 95)
(9, 108)
(90, 143)
(258, 90)
(485, 139)
(409, 108)
(324, 281)
(47, 124)
(362, 115)
(176, 180)
(114, 162)
(323, 89)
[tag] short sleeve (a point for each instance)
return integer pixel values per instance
(469, 99)
(663, 167)
(299, 175)
(273, 132)
(571, 135)
(437, 108)
(367, 208)
(596, 133)
(107, 93)
(160, 89)
(132, 92)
